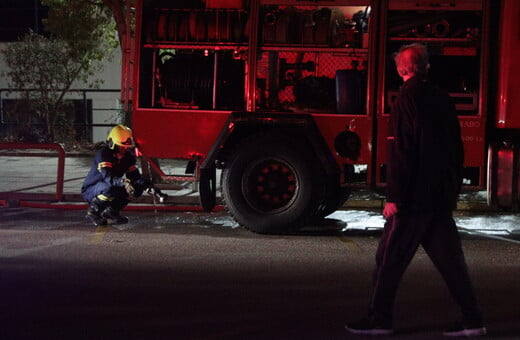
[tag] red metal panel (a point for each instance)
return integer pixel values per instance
(331, 125)
(473, 131)
(165, 133)
(509, 67)
(224, 4)
(136, 44)
(382, 133)
(453, 5)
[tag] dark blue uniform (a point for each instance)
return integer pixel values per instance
(105, 179)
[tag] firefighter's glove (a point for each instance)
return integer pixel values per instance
(118, 182)
(139, 186)
(130, 190)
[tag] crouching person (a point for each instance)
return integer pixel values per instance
(113, 178)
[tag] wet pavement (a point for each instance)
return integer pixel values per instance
(185, 275)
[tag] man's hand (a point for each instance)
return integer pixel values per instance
(389, 210)
(130, 190)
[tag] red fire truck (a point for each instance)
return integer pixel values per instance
(290, 99)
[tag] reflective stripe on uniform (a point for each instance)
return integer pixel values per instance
(105, 198)
(102, 165)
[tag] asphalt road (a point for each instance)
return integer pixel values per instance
(198, 276)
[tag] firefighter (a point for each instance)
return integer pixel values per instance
(113, 178)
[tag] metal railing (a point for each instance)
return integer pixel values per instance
(86, 116)
(60, 173)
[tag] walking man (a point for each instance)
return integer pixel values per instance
(424, 172)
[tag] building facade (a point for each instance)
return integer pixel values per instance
(94, 111)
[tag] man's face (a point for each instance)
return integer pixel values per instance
(402, 61)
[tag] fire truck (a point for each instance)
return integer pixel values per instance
(289, 101)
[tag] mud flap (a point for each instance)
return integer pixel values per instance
(207, 188)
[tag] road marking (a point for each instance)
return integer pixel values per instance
(99, 234)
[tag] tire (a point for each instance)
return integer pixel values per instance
(336, 197)
(268, 185)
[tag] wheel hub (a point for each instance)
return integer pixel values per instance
(270, 185)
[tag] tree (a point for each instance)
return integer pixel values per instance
(116, 15)
(122, 11)
(115, 10)
(119, 8)
(87, 25)
(82, 35)
(43, 70)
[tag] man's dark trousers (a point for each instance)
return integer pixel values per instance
(437, 233)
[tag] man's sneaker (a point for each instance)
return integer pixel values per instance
(466, 330)
(95, 218)
(369, 327)
(113, 216)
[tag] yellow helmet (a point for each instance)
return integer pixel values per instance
(120, 135)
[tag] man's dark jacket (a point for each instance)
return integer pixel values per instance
(425, 150)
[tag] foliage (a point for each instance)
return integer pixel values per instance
(102, 14)
(82, 35)
(86, 25)
(118, 8)
(44, 71)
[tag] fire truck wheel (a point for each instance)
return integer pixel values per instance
(268, 186)
(336, 197)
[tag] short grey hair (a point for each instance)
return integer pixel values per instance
(414, 61)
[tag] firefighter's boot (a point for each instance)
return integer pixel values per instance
(94, 212)
(112, 215)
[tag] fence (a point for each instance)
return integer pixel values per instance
(60, 169)
(93, 111)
